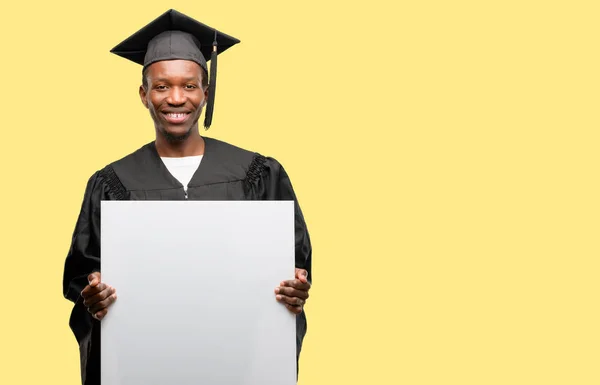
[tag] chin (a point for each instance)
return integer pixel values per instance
(176, 135)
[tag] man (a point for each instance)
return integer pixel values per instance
(180, 164)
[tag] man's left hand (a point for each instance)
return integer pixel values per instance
(294, 293)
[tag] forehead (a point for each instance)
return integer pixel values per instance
(174, 69)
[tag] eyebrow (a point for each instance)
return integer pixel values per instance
(193, 78)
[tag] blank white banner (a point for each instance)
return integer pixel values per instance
(195, 282)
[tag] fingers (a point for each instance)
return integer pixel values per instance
(296, 284)
(292, 292)
(98, 296)
(94, 287)
(294, 309)
(90, 291)
(94, 279)
(92, 299)
(104, 304)
(296, 301)
(302, 275)
(101, 314)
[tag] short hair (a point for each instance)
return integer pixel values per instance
(145, 78)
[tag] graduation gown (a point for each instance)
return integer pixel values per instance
(225, 173)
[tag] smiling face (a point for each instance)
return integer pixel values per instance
(174, 91)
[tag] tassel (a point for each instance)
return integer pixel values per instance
(210, 106)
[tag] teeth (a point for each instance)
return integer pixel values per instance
(179, 115)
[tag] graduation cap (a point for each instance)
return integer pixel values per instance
(175, 36)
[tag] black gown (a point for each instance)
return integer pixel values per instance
(225, 173)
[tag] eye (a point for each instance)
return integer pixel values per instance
(190, 86)
(161, 87)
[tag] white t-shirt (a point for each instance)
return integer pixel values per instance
(183, 168)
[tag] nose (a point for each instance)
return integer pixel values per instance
(176, 96)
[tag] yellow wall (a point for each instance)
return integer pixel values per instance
(444, 153)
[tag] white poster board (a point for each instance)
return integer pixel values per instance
(195, 285)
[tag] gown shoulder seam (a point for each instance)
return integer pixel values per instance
(254, 170)
(114, 185)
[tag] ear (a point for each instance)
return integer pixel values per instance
(143, 96)
(205, 97)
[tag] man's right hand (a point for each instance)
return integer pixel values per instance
(98, 296)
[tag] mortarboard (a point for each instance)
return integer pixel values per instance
(175, 36)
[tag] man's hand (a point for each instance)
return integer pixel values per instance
(294, 293)
(98, 296)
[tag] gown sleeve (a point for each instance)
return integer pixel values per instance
(82, 259)
(268, 180)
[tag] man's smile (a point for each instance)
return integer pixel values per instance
(175, 117)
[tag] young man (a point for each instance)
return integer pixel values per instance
(180, 164)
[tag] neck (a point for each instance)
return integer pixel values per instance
(193, 145)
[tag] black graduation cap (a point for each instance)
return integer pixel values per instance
(175, 36)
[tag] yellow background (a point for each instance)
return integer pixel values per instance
(444, 153)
